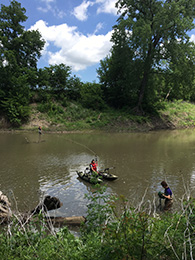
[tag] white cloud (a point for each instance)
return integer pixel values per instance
(98, 27)
(80, 12)
(74, 48)
(48, 1)
(51, 7)
(192, 38)
(107, 6)
(43, 10)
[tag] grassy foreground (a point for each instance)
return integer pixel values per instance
(131, 234)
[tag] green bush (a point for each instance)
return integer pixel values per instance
(51, 108)
(16, 108)
(92, 96)
(114, 230)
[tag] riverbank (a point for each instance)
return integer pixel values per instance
(132, 234)
(174, 115)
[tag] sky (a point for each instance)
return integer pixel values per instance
(77, 32)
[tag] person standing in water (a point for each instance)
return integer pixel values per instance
(40, 133)
(40, 130)
(167, 195)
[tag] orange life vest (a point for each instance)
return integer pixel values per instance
(94, 167)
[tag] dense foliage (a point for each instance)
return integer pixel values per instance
(19, 54)
(152, 60)
(152, 56)
(109, 234)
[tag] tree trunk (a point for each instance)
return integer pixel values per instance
(144, 82)
(142, 93)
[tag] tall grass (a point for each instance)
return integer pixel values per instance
(109, 234)
(181, 113)
(76, 117)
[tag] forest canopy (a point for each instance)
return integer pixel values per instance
(152, 57)
(152, 60)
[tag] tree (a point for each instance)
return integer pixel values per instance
(19, 54)
(57, 81)
(73, 88)
(58, 77)
(155, 31)
(118, 72)
(182, 67)
(92, 96)
(22, 46)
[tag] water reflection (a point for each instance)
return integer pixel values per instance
(32, 168)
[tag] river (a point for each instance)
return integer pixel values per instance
(32, 166)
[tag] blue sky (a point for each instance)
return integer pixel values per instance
(77, 32)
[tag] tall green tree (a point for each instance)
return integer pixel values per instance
(156, 33)
(92, 96)
(19, 53)
(117, 74)
(58, 77)
(58, 82)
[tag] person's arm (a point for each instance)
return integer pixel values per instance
(167, 196)
(91, 167)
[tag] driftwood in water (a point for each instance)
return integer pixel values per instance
(5, 211)
(49, 203)
(55, 221)
(61, 221)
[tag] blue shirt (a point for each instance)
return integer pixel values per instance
(168, 191)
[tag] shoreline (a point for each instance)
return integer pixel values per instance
(139, 129)
(177, 115)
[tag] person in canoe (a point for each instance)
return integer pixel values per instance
(93, 166)
(167, 195)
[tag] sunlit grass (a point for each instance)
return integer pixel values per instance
(74, 117)
(180, 113)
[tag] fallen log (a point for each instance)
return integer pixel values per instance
(53, 221)
(49, 203)
(61, 221)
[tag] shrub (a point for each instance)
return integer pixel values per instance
(16, 108)
(114, 230)
(92, 96)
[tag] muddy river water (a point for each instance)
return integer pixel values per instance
(32, 166)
